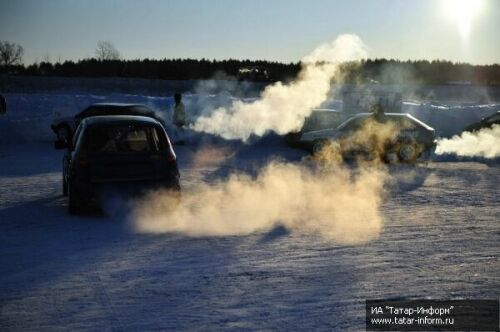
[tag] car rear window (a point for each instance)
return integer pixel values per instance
(124, 139)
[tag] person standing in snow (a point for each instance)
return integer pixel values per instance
(378, 111)
(179, 111)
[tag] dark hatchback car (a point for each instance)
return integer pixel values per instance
(118, 151)
(66, 126)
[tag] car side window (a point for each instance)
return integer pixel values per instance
(159, 139)
(355, 124)
(346, 125)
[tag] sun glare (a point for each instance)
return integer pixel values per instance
(463, 13)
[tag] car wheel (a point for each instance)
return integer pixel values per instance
(408, 153)
(319, 146)
(73, 200)
(328, 152)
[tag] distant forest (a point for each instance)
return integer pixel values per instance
(380, 70)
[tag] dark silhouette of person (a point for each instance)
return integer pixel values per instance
(378, 111)
(179, 111)
(3, 105)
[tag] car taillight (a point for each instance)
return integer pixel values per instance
(171, 157)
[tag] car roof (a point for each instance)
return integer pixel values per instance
(321, 110)
(119, 119)
(117, 105)
(390, 115)
(116, 108)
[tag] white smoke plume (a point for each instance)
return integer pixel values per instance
(334, 201)
(283, 108)
(484, 143)
(338, 204)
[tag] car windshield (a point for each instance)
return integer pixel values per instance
(351, 124)
(124, 139)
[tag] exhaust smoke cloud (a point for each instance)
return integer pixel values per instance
(283, 108)
(484, 143)
(335, 202)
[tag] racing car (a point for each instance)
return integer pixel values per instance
(391, 137)
(66, 126)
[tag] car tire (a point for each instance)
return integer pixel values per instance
(318, 146)
(73, 200)
(327, 152)
(408, 153)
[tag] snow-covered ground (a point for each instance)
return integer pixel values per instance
(440, 239)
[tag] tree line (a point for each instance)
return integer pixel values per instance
(108, 63)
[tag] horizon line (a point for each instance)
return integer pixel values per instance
(258, 60)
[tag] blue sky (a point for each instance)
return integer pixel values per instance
(282, 30)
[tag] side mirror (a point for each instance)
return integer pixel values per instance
(59, 145)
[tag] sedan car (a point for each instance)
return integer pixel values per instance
(117, 151)
(486, 122)
(65, 127)
(392, 137)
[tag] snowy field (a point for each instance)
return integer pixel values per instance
(440, 238)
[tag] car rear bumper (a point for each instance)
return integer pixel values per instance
(95, 192)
